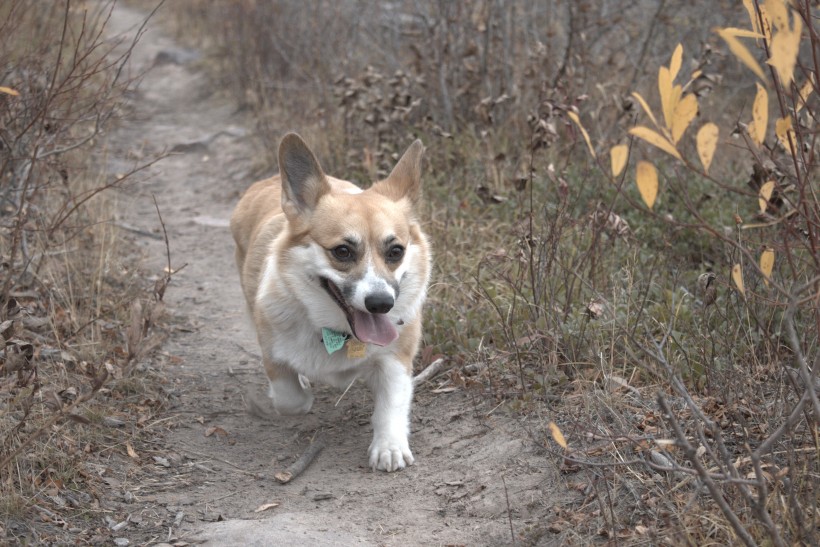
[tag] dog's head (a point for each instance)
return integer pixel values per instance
(357, 259)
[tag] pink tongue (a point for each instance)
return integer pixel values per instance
(374, 328)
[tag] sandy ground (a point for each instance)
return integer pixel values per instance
(478, 474)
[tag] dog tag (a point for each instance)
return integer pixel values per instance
(333, 340)
(355, 349)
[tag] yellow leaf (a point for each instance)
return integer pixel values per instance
(740, 51)
(760, 115)
(685, 112)
(767, 264)
(784, 48)
(778, 13)
(574, 117)
(737, 277)
(647, 178)
(785, 134)
(764, 195)
(707, 140)
(750, 8)
(665, 91)
(675, 63)
(645, 107)
(741, 32)
(557, 435)
(618, 156)
(655, 139)
(8, 91)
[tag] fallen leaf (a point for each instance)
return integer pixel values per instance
(131, 452)
(215, 429)
(557, 435)
(266, 506)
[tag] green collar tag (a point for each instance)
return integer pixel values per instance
(333, 340)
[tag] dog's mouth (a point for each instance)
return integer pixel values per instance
(370, 328)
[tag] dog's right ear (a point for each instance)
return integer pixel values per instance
(303, 181)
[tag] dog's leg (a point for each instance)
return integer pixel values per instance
(392, 387)
(287, 392)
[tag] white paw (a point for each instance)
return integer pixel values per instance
(289, 399)
(390, 454)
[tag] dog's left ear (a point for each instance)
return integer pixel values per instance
(404, 180)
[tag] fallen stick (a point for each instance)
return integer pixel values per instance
(299, 466)
(431, 370)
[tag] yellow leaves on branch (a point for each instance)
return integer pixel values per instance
(678, 109)
(730, 36)
(765, 194)
(707, 140)
(685, 112)
(760, 115)
(782, 37)
(655, 139)
(647, 179)
(618, 156)
(574, 117)
(785, 43)
(785, 134)
(767, 264)
(8, 91)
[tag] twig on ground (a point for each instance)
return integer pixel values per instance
(429, 372)
(299, 466)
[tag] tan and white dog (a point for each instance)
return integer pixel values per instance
(335, 278)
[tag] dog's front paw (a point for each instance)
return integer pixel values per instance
(390, 454)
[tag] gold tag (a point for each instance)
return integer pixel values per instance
(355, 349)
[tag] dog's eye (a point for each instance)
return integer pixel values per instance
(395, 253)
(343, 253)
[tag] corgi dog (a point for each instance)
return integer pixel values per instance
(335, 278)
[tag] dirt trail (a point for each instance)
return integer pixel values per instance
(207, 488)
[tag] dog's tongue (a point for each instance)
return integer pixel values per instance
(373, 328)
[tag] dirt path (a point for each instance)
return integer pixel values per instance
(207, 488)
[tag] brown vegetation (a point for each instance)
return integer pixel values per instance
(74, 314)
(647, 321)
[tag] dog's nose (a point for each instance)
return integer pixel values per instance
(378, 303)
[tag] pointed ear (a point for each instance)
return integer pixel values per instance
(405, 179)
(303, 181)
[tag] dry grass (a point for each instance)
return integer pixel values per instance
(691, 415)
(68, 286)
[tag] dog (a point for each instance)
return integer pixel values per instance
(335, 278)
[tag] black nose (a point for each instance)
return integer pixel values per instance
(378, 303)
